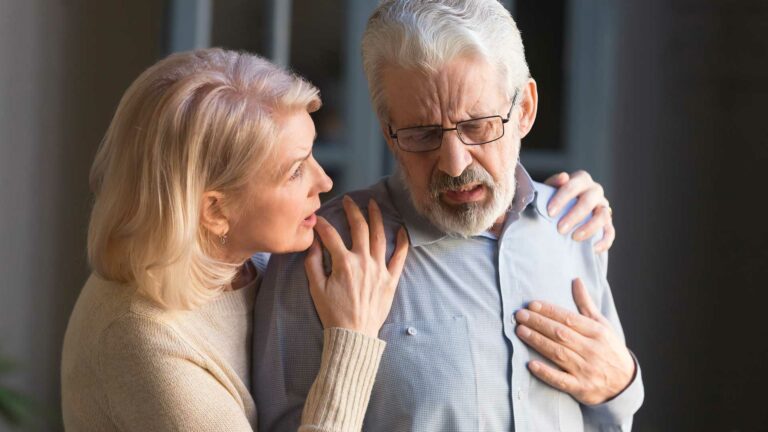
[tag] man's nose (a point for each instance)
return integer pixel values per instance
(454, 155)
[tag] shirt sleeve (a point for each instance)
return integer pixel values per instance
(338, 398)
(617, 413)
(155, 381)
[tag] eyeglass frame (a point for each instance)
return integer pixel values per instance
(504, 121)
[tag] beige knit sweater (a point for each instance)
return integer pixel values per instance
(130, 366)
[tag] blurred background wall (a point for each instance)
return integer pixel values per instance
(663, 100)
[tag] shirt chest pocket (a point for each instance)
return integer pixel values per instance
(427, 380)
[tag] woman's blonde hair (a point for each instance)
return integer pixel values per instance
(193, 122)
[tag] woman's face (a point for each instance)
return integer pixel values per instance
(277, 210)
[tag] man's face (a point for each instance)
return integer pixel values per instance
(461, 189)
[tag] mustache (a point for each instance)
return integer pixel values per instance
(441, 181)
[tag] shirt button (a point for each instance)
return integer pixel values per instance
(519, 394)
(412, 331)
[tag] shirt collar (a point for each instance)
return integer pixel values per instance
(422, 232)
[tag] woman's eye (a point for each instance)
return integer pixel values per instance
(297, 173)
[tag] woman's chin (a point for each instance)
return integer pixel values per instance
(303, 241)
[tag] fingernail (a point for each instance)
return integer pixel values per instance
(553, 210)
(347, 198)
(524, 331)
(534, 366)
(535, 306)
(565, 227)
(523, 315)
(578, 235)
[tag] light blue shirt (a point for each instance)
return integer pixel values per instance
(453, 361)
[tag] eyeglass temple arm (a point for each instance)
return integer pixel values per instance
(511, 107)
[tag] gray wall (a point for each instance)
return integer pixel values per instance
(63, 67)
(689, 267)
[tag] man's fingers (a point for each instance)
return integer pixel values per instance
(358, 227)
(397, 261)
(558, 379)
(609, 235)
(601, 218)
(313, 265)
(583, 325)
(576, 184)
(584, 301)
(378, 240)
(586, 203)
(330, 239)
(558, 332)
(557, 353)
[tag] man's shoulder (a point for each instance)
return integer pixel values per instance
(544, 194)
(333, 210)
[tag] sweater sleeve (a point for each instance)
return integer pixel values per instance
(155, 381)
(339, 397)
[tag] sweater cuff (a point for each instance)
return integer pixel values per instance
(339, 397)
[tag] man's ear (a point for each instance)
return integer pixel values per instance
(212, 214)
(388, 139)
(529, 105)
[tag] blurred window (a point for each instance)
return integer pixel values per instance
(568, 43)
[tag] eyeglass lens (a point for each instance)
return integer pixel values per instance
(478, 131)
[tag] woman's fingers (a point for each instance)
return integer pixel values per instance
(376, 224)
(330, 239)
(609, 235)
(397, 261)
(587, 202)
(557, 180)
(313, 265)
(601, 218)
(577, 183)
(358, 227)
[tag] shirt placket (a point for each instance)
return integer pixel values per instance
(512, 300)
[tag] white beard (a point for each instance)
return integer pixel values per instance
(469, 219)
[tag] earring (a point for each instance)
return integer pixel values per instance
(223, 239)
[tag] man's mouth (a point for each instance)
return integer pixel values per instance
(465, 194)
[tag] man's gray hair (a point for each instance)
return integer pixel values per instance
(425, 34)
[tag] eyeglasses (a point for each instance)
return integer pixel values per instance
(474, 131)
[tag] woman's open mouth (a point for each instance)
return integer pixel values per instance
(310, 221)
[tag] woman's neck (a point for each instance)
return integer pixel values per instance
(245, 275)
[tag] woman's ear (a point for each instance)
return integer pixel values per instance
(212, 214)
(528, 108)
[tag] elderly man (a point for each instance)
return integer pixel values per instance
(499, 323)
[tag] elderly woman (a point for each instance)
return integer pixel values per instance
(208, 160)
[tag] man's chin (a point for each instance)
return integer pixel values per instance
(464, 220)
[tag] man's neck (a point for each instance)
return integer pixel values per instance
(498, 225)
